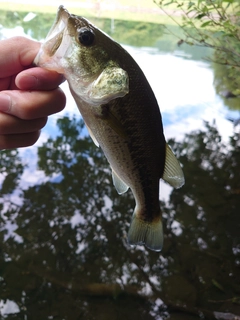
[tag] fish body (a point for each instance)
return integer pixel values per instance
(121, 113)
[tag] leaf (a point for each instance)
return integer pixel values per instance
(10, 183)
(200, 16)
(168, 3)
(190, 4)
(217, 285)
(179, 5)
(207, 23)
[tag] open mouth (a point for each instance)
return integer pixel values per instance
(56, 42)
(55, 35)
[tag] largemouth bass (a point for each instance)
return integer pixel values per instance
(121, 113)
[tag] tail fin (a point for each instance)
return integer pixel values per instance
(146, 233)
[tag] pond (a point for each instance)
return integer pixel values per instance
(63, 248)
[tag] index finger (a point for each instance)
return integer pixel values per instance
(17, 54)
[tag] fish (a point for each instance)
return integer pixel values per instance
(121, 114)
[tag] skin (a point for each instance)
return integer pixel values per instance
(33, 93)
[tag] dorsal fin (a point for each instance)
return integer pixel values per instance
(173, 173)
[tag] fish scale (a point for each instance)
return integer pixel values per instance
(121, 113)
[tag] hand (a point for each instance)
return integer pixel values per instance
(28, 95)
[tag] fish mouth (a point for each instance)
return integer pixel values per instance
(54, 40)
(55, 34)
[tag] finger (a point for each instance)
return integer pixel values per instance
(38, 79)
(17, 53)
(5, 83)
(13, 125)
(29, 105)
(18, 140)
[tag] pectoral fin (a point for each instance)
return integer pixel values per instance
(112, 121)
(119, 184)
(92, 136)
(173, 173)
(112, 83)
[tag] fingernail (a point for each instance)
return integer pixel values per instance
(5, 102)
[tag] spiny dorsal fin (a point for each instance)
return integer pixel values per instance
(119, 184)
(173, 173)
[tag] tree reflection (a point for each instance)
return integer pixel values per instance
(71, 259)
(226, 85)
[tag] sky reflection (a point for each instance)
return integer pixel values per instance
(184, 90)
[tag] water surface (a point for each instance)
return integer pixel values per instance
(63, 248)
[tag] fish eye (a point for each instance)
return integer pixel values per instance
(86, 37)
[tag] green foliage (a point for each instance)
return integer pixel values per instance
(133, 33)
(214, 24)
(226, 82)
(138, 32)
(13, 19)
(11, 169)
